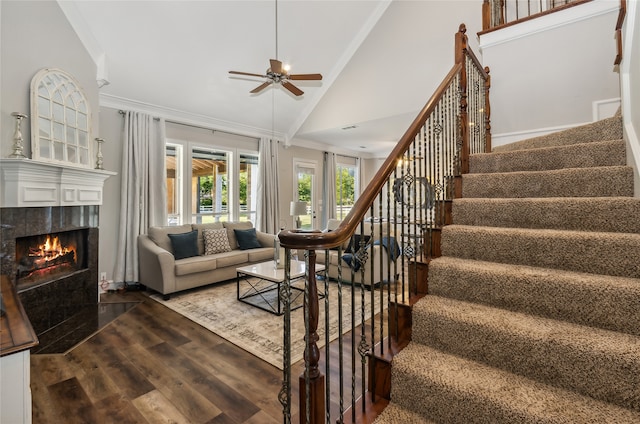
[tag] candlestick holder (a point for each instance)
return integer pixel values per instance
(99, 154)
(18, 145)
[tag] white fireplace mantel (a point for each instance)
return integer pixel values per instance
(30, 183)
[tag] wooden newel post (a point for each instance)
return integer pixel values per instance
(312, 355)
(460, 56)
(487, 111)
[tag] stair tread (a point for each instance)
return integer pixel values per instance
(600, 301)
(602, 281)
(581, 155)
(603, 181)
(605, 129)
(552, 148)
(600, 214)
(599, 363)
(604, 253)
(582, 338)
(395, 413)
(463, 385)
(552, 171)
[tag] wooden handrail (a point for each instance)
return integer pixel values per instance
(621, 15)
(296, 239)
(486, 16)
(456, 147)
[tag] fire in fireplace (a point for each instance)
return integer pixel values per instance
(44, 257)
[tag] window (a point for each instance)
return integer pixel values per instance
(248, 187)
(210, 184)
(173, 161)
(346, 185)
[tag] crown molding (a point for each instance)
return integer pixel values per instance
(169, 114)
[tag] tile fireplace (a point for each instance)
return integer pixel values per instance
(51, 256)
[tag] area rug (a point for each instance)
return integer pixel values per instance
(257, 331)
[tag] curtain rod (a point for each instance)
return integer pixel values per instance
(155, 118)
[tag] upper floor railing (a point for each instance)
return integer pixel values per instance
(361, 275)
(499, 13)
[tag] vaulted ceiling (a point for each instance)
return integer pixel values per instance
(380, 60)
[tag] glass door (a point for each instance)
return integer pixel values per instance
(305, 191)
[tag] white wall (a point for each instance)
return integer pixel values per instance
(412, 41)
(112, 127)
(630, 82)
(36, 35)
(546, 74)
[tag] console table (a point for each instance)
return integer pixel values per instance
(16, 338)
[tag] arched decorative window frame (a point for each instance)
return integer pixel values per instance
(60, 120)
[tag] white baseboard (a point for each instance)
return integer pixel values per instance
(508, 138)
(601, 109)
(605, 108)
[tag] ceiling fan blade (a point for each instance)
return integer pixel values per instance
(305, 77)
(295, 90)
(261, 87)
(276, 66)
(246, 73)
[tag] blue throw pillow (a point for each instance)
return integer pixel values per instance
(247, 239)
(184, 245)
(355, 243)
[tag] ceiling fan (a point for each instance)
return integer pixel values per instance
(279, 74)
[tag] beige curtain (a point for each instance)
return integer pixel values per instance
(267, 213)
(328, 188)
(143, 199)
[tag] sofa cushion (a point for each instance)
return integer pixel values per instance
(184, 245)
(200, 228)
(230, 226)
(195, 264)
(333, 258)
(247, 239)
(159, 235)
(265, 239)
(235, 257)
(261, 255)
(216, 241)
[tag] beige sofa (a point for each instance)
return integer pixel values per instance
(382, 269)
(160, 271)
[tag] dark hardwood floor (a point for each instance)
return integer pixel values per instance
(152, 365)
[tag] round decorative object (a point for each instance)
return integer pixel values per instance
(410, 190)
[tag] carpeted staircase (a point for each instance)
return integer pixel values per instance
(533, 312)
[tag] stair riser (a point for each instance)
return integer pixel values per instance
(577, 214)
(544, 355)
(450, 389)
(611, 153)
(589, 182)
(444, 404)
(597, 253)
(577, 298)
